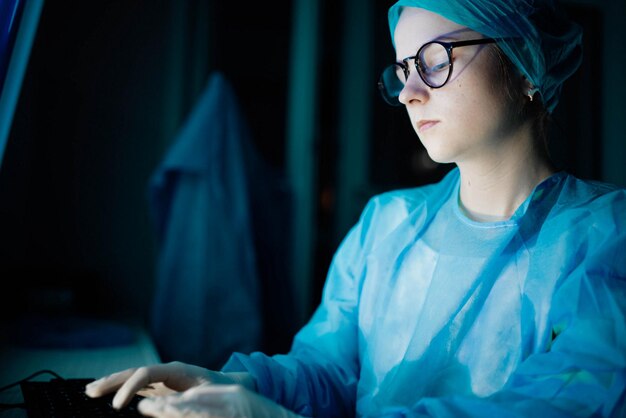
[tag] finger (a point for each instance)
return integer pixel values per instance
(141, 378)
(171, 407)
(156, 389)
(213, 390)
(151, 407)
(224, 401)
(108, 384)
(202, 402)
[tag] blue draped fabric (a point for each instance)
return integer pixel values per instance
(206, 302)
(426, 313)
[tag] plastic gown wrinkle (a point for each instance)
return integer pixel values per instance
(205, 304)
(525, 317)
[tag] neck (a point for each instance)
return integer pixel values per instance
(496, 184)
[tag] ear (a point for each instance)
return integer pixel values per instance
(529, 89)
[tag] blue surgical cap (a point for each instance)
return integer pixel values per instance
(535, 35)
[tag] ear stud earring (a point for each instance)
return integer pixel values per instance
(531, 93)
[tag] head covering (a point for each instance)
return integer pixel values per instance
(535, 35)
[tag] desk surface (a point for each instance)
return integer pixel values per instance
(17, 363)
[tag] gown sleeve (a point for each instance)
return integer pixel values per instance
(583, 372)
(319, 376)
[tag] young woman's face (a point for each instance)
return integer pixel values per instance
(466, 118)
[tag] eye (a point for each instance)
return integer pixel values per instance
(437, 68)
(434, 58)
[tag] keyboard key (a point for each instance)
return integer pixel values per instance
(66, 398)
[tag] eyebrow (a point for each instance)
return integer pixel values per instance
(445, 37)
(453, 34)
(440, 38)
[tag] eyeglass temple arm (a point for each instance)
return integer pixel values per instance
(472, 42)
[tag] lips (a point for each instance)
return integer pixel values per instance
(424, 125)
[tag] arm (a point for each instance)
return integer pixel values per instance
(583, 372)
(318, 377)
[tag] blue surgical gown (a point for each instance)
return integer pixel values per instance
(428, 313)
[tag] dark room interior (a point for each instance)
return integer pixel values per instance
(110, 84)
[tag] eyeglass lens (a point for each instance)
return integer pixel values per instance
(433, 64)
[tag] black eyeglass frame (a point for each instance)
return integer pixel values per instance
(448, 46)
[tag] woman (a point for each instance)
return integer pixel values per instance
(499, 291)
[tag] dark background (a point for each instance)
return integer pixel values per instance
(110, 82)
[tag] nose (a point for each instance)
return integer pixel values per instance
(414, 91)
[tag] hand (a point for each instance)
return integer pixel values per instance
(160, 380)
(214, 401)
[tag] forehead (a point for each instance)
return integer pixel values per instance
(418, 26)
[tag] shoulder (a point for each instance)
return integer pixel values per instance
(587, 237)
(592, 216)
(599, 203)
(387, 211)
(590, 190)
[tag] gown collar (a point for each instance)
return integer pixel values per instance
(534, 197)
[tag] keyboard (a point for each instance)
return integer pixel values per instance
(66, 398)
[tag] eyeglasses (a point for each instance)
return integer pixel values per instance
(433, 63)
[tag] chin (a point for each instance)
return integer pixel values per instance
(441, 160)
(439, 154)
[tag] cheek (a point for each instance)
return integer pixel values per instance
(482, 92)
(469, 103)
(475, 109)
